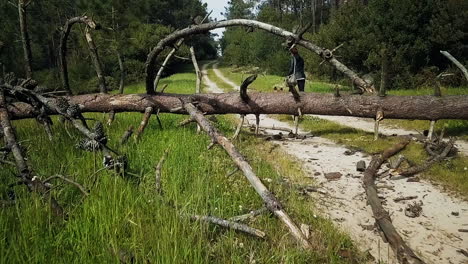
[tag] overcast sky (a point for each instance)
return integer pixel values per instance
(218, 7)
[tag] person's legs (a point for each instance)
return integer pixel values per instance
(301, 85)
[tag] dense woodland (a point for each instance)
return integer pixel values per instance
(409, 34)
(127, 29)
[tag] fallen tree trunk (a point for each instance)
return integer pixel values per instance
(403, 252)
(203, 28)
(269, 198)
(393, 107)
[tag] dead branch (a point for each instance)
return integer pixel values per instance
(456, 62)
(404, 253)
(186, 122)
(159, 119)
(96, 61)
(269, 198)
(168, 57)
(251, 214)
(26, 176)
(128, 133)
(395, 107)
(239, 127)
(111, 118)
(197, 70)
(203, 28)
(229, 224)
(425, 166)
(144, 122)
(158, 172)
(65, 179)
(63, 46)
(405, 198)
(243, 88)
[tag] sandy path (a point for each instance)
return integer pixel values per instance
(433, 235)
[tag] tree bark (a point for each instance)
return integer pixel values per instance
(393, 107)
(96, 61)
(269, 198)
(25, 38)
(203, 28)
(63, 46)
(402, 251)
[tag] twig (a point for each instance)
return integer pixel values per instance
(229, 224)
(158, 172)
(111, 118)
(420, 168)
(128, 133)
(251, 214)
(144, 123)
(405, 198)
(65, 179)
(239, 127)
(456, 62)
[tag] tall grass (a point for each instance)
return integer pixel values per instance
(124, 220)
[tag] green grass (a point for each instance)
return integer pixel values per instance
(123, 217)
(451, 174)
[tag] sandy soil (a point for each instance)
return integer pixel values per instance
(433, 235)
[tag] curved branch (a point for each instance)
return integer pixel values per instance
(203, 28)
(63, 46)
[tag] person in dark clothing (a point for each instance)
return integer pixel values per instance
(297, 68)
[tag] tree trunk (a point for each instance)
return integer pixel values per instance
(203, 28)
(63, 47)
(25, 38)
(96, 61)
(393, 107)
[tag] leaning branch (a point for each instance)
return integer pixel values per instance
(269, 198)
(63, 46)
(456, 62)
(203, 28)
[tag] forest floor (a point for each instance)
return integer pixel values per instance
(433, 235)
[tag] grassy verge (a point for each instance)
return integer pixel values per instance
(124, 219)
(451, 174)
